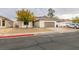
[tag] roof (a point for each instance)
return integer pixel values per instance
(45, 19)
(5, 18)
(64, 20)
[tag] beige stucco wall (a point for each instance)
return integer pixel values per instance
(41, 24)
(7, 24)
(0, 23)
(37, 23)
(30, 25)
(21, 24)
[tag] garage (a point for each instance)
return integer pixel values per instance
(49, 24)
(45, 22)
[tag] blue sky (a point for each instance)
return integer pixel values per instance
(60, 12)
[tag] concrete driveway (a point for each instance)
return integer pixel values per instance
(63, 41)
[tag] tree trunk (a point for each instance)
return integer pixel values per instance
(33, 24)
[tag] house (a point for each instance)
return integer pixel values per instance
(45, 22)
(40, 22)
(5, 22)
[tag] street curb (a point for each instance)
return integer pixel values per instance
(4, 36)
(17, 35)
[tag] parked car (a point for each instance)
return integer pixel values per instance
(77, 26)
(73, 25)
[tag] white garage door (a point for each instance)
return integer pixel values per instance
(49, 24)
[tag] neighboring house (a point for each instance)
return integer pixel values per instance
(45, 22)
(5, 22)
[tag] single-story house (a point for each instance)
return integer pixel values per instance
(5, 22)
(40, 22)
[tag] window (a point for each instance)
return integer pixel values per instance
(3, 23)
(24, 23)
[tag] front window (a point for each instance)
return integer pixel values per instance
(3, 23)
(24, 23)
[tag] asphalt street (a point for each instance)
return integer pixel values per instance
(58, 41)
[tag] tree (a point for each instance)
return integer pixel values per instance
(75, 20)
(33, 18)
(25, 15)
(51, 12)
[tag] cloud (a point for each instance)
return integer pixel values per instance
(11, 12)
(60, 12)
(68, 16)
(66, 10)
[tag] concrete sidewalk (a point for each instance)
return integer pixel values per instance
(65, 30)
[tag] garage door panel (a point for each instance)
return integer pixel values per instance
(49, 24)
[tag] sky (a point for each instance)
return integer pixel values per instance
(60, 12)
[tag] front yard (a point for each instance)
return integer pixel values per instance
(13, 31)
(23, 30)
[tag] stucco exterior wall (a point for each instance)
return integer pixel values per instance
(41, 24)
(37, 23)
(0, 23)
(21, 24)
(30, 25)
(7, 24)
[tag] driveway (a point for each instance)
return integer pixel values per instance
(58, 41)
